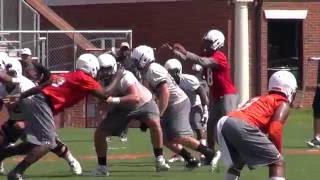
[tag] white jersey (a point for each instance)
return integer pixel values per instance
(157, 74)
(23, 84)
(126, 81)
(190, 84)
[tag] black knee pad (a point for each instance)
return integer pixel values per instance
(61, 149)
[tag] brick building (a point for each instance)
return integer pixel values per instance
(282, 34)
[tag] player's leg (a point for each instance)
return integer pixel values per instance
(115, 122)
(63, 151)
(233, 173)
(150, 116)
(197, 126)
(315, 142)
(124, 135)
(277, 170)
(179, 130)
(215, 113)
(35, 152)
(101, 147)
(246, 143)
(40, 131)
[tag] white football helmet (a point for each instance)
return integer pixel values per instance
(14, 66)
(88, 63)
(173, 64)
(216, 37)
(3, 59)
(197, 67)
(284, 82)
(142, 55)
(107, 60)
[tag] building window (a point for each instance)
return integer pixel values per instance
(285, 47)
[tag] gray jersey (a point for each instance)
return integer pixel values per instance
(126, 81)
(190, 84)
(157, 74)
(3, 91)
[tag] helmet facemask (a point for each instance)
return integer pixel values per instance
(176, 74)
(142, 56)
(206, 47)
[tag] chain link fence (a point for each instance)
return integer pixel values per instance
(18, 15)
(58, 50)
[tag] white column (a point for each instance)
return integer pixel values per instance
(241, 56)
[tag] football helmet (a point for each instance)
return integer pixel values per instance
(88, 63)
(142, 56)
(216, 38)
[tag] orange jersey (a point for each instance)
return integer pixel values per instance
(259, 110)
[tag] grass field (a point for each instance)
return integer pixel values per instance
(302, 162)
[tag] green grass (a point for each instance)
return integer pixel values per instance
(297, 131)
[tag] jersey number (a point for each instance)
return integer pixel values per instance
(209, 77)
(58, 81)
(247, 104)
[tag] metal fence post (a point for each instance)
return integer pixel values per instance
(75, 49)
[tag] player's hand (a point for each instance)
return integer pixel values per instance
(167, 45)
(205, 115)
(11, 101)
(179, 47)
(109, 100)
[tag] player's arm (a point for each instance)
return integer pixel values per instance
(45, 80)
(104, 93)
(163, 96)
(203, 96)
(204, 102)
(180, 51)
(45, 74)
(276, 124)
(132, 98)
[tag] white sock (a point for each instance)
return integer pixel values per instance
(69, 158)
(231, 177)
(277, 178)
(317, 138)
(203, 142)
(160, 158)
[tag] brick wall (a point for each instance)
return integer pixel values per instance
(311, 44)
(156, 23)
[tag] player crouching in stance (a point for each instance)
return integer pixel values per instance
(174, 106)
(129, 100)
(38, 110)
(252, 134)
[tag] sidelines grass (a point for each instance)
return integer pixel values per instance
(297, 132)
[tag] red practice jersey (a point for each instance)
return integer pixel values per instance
(70, 88)
(219, 79)
(259, 110)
